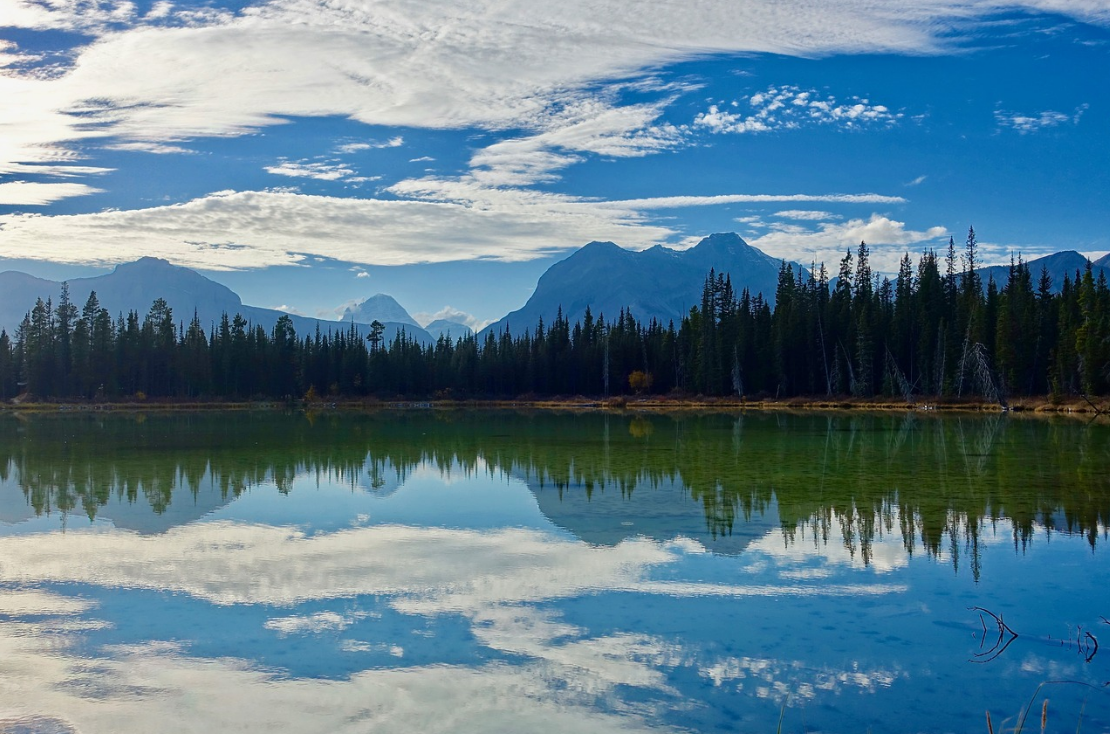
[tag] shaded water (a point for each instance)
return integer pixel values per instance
(500, 571)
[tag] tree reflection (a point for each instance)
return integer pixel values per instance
(936, 483)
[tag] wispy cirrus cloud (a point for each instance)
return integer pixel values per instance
(810, 215)
(356, 147)
(550, 76)
(318, 170)
(27, 193)
(677, 202)
(150, 147)
(198, 72)
(586, 126)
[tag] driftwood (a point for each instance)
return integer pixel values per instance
(1098, 411)
(1005, 638)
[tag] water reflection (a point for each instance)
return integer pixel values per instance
(428, 572)
(723, 480)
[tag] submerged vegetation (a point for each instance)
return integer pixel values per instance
(932, 331)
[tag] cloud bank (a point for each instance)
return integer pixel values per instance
(176, 74)
(550, 77)
(252, 229)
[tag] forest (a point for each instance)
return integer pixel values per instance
(935, 330)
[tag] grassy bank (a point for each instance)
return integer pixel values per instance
(1042, 405)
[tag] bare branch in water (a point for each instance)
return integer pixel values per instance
(1006, 636)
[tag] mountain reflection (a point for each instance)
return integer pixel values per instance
(855, 479)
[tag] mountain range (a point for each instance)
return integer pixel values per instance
(658, 283)
(384, 308)
(1058, 265)
(135, 286)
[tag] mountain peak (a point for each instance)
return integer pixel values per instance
(379, 307)
(657, 283)
(598, 251)
(721, 241)
(146, 263)
(447, 327)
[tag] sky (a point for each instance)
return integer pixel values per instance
(311, 153)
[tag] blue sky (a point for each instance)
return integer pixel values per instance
(310, 154)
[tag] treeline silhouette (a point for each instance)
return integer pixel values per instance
(938, 484)
(935, 330)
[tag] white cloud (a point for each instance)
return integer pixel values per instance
(809, 545)
(495, 64)
(917, 181)
(434, 220)
(719, 121)
(584, 126)
(289, 309)
(26, 193)
(424, 570)
(790, 107)
(1038, 121)
(314, 623)
(89, 16)
(780, 680)
(18, 602)
(319, 170)
(677, 202)
(451, 314)
(887, 239)
(159, 10)
(362, 274)
(11, 56)
(160, 687)
(60, 170)
(394, 142)
(501, 581)
(150, 147)
(807, 215)
(254, 229)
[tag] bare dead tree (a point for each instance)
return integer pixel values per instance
(899, 378)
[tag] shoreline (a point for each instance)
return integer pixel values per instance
(1041, 405)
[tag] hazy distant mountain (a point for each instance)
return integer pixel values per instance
(135, 286)
(379, 307)
(1059, 264)
(657, 283)
(131, 286)
(453, 329)
(18, 292)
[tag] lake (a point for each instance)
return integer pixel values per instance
(500, 571)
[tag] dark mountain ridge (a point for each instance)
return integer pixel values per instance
(658, 283)
(1058, 264)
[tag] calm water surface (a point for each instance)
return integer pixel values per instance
(512, 572)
